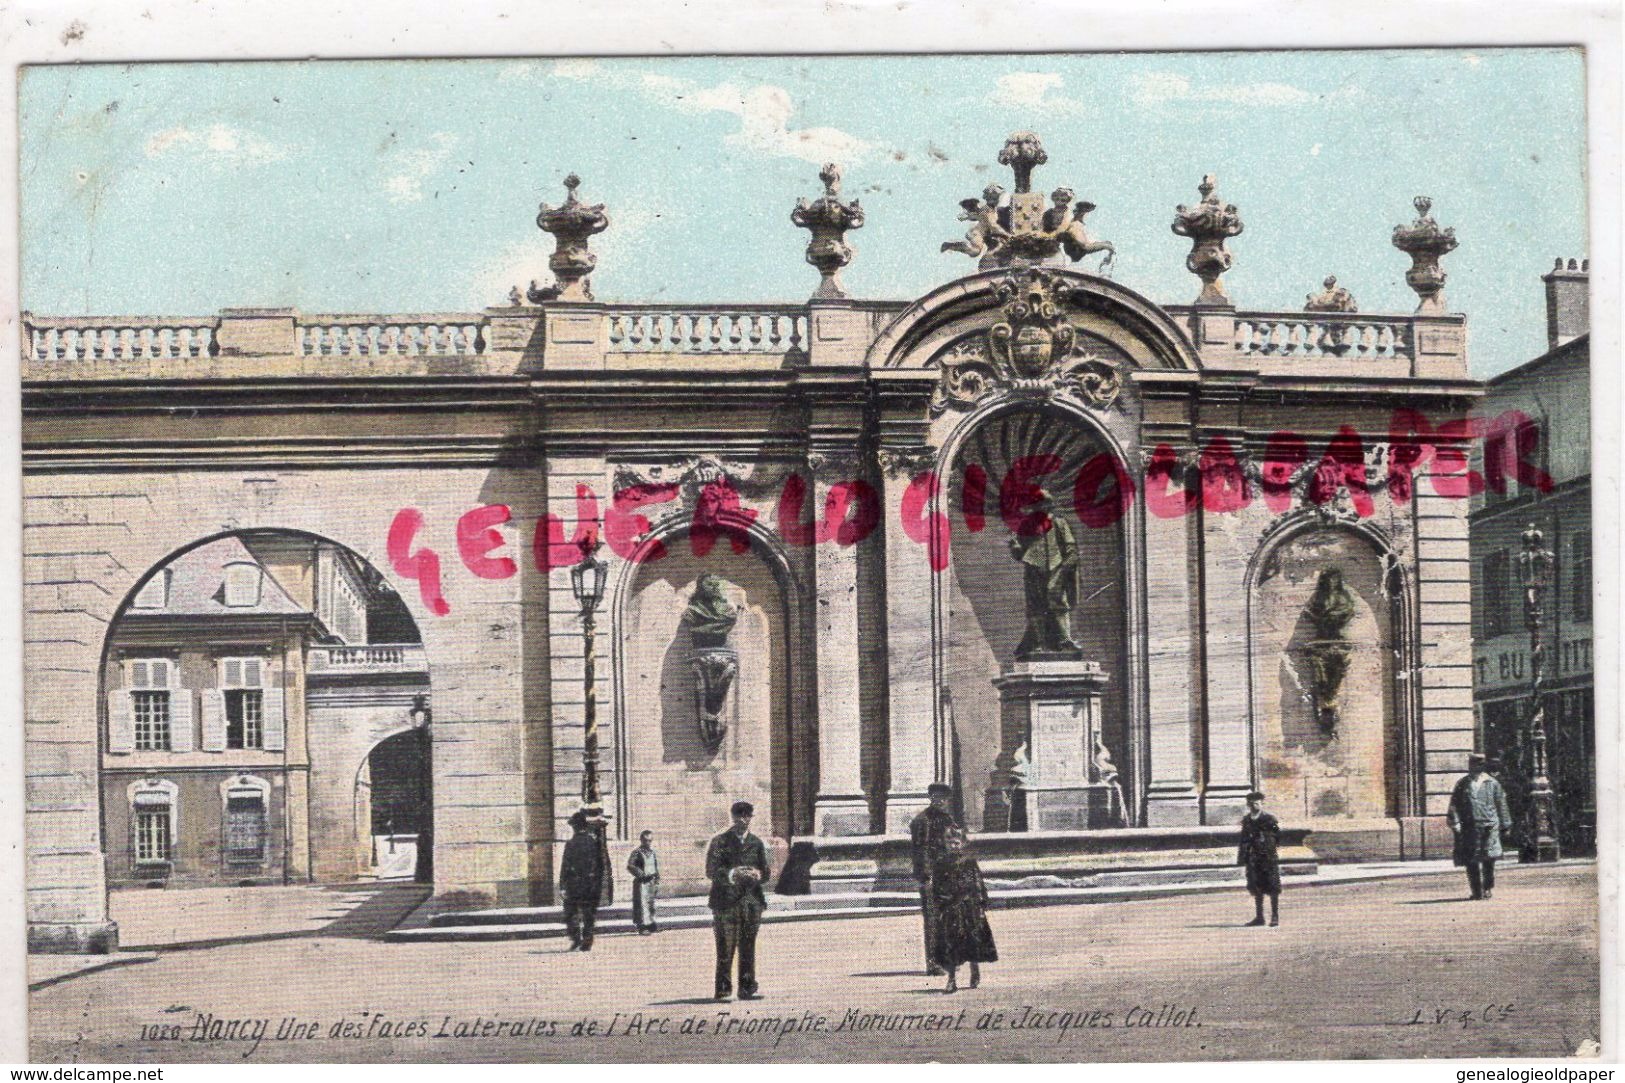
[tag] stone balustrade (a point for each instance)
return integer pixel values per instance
(366, 659)
(436, 335)
(1323, 335)
(737, 329)
(499, 340)
(66, 338)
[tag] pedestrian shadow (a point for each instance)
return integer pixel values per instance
(887, 974)
(1224, 925)
(687, 1000)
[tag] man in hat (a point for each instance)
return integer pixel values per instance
(1260, 855)
(736, 864)
(1478, 815)
(584, 877)
(929, 833)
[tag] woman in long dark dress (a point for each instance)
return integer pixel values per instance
(963, 935)
(1259, 854)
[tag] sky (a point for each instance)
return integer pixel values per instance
(412, 186)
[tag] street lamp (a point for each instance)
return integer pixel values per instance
(1535, 572)
(587, 581)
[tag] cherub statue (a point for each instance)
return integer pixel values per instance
(1064, 222)
(987, 232)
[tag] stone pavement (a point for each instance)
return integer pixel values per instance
(1402, 967)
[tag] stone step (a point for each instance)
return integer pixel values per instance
(541, 922)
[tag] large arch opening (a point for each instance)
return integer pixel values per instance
(245, 681)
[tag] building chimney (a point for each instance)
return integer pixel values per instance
(1568, 301)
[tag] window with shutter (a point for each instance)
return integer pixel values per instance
(275, 724)
(120, 722)
(151, 713)
(213, 720)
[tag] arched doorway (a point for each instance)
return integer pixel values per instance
(395, 807)
(244, 681)
(678, 773)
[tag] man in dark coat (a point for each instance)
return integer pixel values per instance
(585, 881)
(736, 864)
(1478, 815)
(1259, 853)
(929, 832)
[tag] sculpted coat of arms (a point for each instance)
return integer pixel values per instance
(1033, 349)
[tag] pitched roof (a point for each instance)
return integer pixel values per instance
(197, 585)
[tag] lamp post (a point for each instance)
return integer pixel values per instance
(1535, 572)
(587, 581)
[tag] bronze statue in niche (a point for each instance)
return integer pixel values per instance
(710, 617)
(1048, 555)
(1330, 610)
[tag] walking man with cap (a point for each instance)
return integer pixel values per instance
(1478, 815)
(929, 832)
(736, 864)
(584, 877)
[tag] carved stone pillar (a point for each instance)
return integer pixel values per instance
(1172, 629)
(914, 711)
(841, 807)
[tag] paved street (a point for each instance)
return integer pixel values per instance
(1400, 968)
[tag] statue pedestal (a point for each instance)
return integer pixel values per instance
(1050, 706)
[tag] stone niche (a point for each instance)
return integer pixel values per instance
(986, 608)
(679, 786)
(1317, 764)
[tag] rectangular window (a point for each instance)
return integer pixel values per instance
(1495, 468)
(151, 710)
(151, 833)
(1580, 574)
(245, 830)
(1531, 450)
(1498, 594)
(245, 718)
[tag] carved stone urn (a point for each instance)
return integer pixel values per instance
(1208, 224)
(828, 218)
(1425, 243)
(572, 225)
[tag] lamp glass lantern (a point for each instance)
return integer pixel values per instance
(587, 579)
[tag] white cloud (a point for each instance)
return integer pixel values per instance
(219, 141)
(1031, 90)
(618, 248)
(764, 113)
(409, 168)
(1161, 87)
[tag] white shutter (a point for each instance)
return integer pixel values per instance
(120, 722)
(180, 720)
(276, 727)
(214, 720)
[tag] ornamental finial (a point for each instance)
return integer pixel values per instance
(1425, 243)
(1018, 230)
(828, 218)
(1208, 224)
(572, 224)
(1332, 298)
